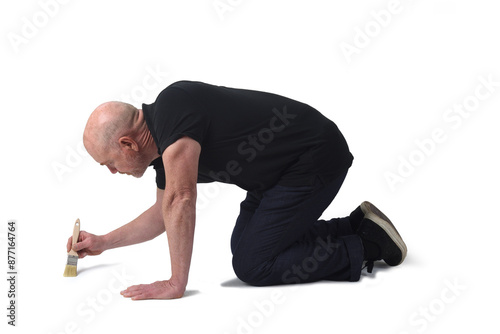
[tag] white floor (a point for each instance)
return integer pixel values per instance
(413, 101)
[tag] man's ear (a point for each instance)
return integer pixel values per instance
(127, 143)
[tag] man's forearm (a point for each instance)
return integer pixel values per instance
(145, 227)
(179, 219)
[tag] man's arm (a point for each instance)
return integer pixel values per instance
(145, 227)
(179, 208)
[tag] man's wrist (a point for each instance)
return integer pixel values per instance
(179, 284)
(107, 242)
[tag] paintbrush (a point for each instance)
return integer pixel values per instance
(70, 270)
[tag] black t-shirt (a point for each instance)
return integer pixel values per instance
(248, 138)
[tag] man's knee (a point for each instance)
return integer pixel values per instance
(240, 266)
(246, 272)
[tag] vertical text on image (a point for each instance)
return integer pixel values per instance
(12, 275)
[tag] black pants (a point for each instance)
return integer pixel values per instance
(278, 238)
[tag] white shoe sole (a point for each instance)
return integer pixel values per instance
(374, 214)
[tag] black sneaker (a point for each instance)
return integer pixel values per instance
(380, 238)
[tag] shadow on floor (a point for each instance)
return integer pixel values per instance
(234, 283)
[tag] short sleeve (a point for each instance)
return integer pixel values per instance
(160, 172)
(177, 114)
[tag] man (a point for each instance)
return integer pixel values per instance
(289, 157)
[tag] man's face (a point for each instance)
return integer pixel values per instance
(123, 161)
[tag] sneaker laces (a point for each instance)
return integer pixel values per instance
(369, 265)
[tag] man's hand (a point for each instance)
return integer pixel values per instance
(156, 290)
(88, 244)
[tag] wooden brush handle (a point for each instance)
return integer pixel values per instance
(76, 234)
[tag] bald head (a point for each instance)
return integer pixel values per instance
(109, 122)
(117, 136)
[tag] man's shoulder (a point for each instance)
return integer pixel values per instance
(180, 95)
(183, 90)
(186, 85)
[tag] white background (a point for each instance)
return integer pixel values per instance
(60, 62)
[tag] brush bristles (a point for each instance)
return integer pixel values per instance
(70, 270)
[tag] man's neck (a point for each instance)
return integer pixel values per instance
(145, 139)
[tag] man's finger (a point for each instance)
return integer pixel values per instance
(83, 235)
(138, 294)
(140, 297)
(132, 290)
(81, 245)
(68, 245)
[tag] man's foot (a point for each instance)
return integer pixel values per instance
(380, 238)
